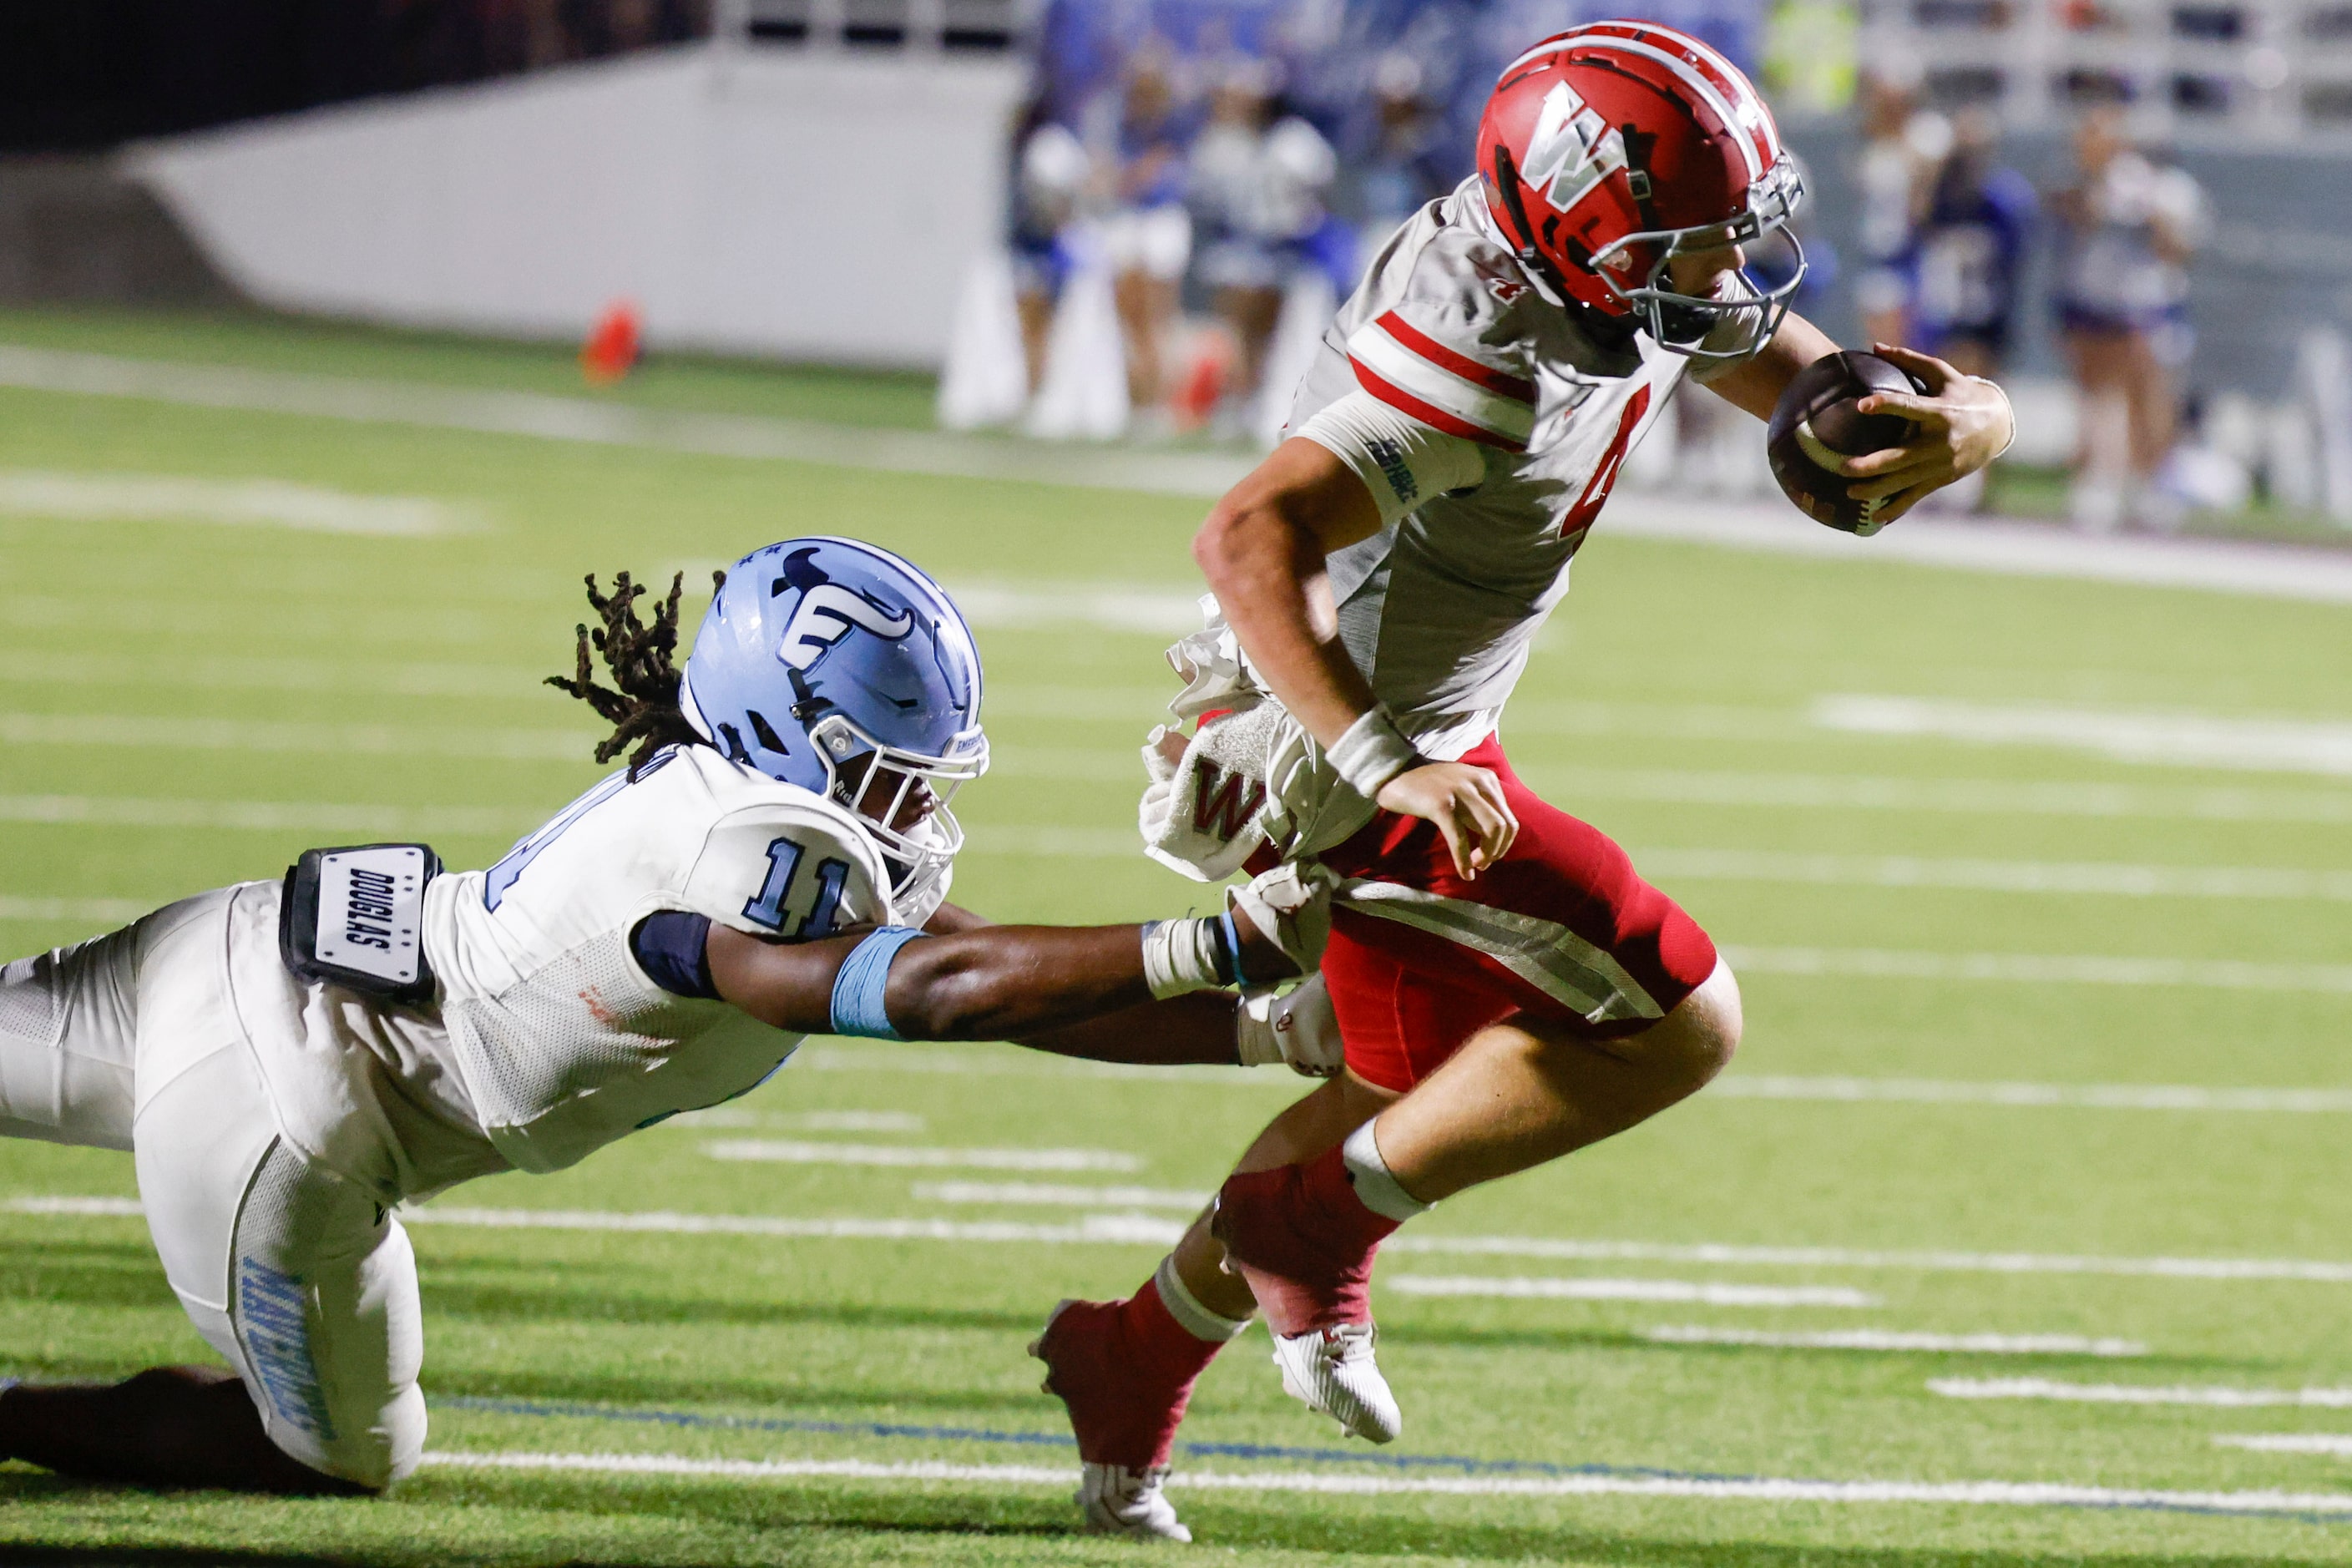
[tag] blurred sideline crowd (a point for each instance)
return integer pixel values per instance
(1196, 185)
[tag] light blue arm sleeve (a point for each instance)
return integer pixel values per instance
(857, 989)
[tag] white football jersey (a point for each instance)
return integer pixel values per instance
(561, 1041)
(1439, 609)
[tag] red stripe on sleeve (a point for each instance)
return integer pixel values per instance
(1435, 417)
(1462, 365)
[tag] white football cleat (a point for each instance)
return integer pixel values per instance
(1120, 1501)
(1332, 1371)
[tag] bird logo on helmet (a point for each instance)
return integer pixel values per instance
(838, 667)
(1610, 149)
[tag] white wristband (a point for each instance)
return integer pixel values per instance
(1371, 752)
(2005, 402)
(1184, 955)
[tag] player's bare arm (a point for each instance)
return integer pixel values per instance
(1959, 424)
(1264, 550)
(973, 981)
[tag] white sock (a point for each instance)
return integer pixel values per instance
(1376, 1184)
(1185, 1308)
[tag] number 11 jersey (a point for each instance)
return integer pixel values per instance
(561, 1039)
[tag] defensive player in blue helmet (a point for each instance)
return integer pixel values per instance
(289, 1063)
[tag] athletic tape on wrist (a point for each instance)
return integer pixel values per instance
(858, 990)
(1371, 752)
(2005, 402)
(1183, 955)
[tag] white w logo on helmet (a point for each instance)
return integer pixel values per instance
(824, 616)
(1572, 149)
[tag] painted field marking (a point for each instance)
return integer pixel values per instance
(1565, 1289)
(1998, 797)
(937, 1061)
(782, 1152)
(801, 1121)
(110, 910)
(1029, 1193)
(1145, 1230)
(2096, 877)
(41, 667)
(1746, 1489)
(2139, 1394)
(2069, 1096)
(2111, 878)
(2335, 1443)
(1974, 544)
(267, 816)
(270, 503)
(1891, 1340)
(2042, 969)
(2175, 738)
(162, 731)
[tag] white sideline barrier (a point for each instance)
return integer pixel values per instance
(748, 200)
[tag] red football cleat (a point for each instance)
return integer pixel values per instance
(1125, 1402)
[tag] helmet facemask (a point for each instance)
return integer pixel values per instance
(1681, 323)
(901, 796)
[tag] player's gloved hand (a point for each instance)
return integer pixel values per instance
(1283, 918)
(1959, 425)
(1296, 1026)
(1466, 804)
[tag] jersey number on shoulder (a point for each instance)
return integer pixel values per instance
(794, 906)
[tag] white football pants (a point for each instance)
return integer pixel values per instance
(290, 1270)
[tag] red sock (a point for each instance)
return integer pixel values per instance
(1304, 1241)
(1125, 1369)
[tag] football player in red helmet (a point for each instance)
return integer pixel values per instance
(1508, 988)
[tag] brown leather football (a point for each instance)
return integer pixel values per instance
(1814, 424)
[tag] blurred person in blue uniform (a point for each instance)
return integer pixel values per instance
(1259, 183)
(1407, 161)
(1902, 146)
(1972, 251)
(1049, 180)
(2128, 226)
(1140, 137)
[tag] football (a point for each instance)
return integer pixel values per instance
(1814, 424)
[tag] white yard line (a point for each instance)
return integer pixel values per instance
(267, 816)
(2337, 1445)
(2042, 969)
(1037, 1195)
(2069, 1096)
(1555, 1289)
(2209, 565)
(801, 1120)
(1993, 797)
(1895, 1341)
(41, 667)
(2110, 878)
(163, 733)
(111, 911)
(1145, 1230)
(2138, 1393)
(787, 1152)
(58, 496)
(1741, 1489)
(2176, 739)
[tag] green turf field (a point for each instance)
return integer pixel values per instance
(1955, 1113)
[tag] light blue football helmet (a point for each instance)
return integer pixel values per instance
(838, 667)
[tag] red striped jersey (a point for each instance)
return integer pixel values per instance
(1447, 331)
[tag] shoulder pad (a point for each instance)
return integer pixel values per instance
(781, 861)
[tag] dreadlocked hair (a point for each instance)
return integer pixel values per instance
(642, 704)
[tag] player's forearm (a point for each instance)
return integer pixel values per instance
(1267, 569)
(1755, 385)
(1194, 1028)
(1003, 983)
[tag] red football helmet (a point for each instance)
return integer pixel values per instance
(1613, 146)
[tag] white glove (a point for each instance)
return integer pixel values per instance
(1291, 907)
(1296, 1026)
